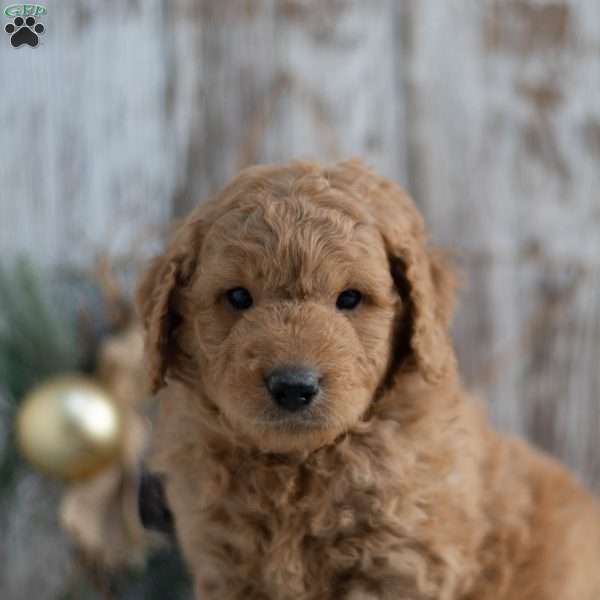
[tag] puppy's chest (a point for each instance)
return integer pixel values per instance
(297, 532)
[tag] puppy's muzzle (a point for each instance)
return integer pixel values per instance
(293, 388)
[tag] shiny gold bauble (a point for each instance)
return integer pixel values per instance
(69, 427)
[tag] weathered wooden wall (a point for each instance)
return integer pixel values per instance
(489, 112)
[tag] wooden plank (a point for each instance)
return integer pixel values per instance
(35, 556)
(86, 152)
(270, 81)
(506, 106)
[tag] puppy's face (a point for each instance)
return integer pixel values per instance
(290, 299)
(290, 319)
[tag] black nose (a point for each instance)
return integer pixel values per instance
(293, 388)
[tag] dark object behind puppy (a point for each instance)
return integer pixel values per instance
(152, 505)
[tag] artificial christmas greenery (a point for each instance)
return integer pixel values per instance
(42, 336)
(36, 342)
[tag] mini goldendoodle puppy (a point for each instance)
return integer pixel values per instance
(315, 439)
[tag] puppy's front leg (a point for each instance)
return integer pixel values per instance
(360, 593)
(216, 586)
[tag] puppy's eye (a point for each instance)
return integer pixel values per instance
(239, 297)
(348, 299)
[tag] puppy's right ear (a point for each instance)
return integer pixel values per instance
(155, 297)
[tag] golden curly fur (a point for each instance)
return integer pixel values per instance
(391, 485)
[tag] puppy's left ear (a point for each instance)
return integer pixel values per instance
(426, 285)
(422, 276)
(445, 284)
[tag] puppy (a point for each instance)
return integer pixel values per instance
(315, 438)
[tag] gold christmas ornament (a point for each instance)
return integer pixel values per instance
(69, 427)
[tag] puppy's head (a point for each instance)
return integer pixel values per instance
(293, 298)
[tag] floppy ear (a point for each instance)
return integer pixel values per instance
(422, 277)
(156, 296)
(428, 287)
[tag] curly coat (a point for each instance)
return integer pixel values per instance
(394, 486)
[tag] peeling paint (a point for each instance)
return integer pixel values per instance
(539, 135)
(542, 145)
(591, 134)
(522, 26)
(544, 96)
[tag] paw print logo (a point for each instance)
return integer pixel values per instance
(24, 31)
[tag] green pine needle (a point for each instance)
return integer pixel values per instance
(36, 342)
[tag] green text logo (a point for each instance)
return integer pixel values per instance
(25, 10)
